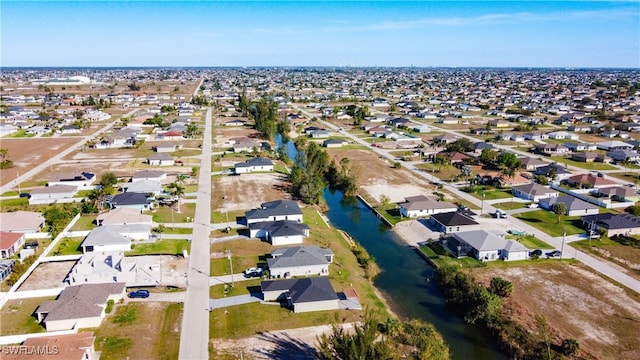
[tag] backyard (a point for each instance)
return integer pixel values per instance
(17, 316)
(583, 165)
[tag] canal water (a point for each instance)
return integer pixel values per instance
(406, 279)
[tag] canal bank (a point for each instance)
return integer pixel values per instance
(405, 281)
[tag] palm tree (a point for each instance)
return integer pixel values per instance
(177, 191)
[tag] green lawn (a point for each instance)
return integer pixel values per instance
(165, 214)
(391, 213)
(21, 134)
(530, 242)
(547, 221)
(583, 165)
(68, 246)
(442, 258)
(441, 172)
(85, 222)
(509, 205)
(14, 202)
(239, 288)
(230, 216)
(491, 193)
(10, 193)
(177, 231)
(164, 247)
(17, 316)
(82, 193)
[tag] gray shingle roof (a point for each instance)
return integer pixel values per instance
(257, 161)
(298, 256)
(274, 208)
(80, 301)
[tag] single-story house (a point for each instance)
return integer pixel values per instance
(303, 295)
(138, 201)
(167, 147)
(274, 211)
(10, 243)
(234, 122)
(80, 306)
(53, 194)
(154, 175)
(530, 163)
(555, 169)
(99, 267)
(624, 155)
(483, 246)
(590, 181)
(319, 134)
(614, 145)
(479, 146)
(253, 165)
(281, 232)
(21, 221)
(160, 160)
(575, 206)
(588, 156)
(123, 216)
(533, 191)
(79, 346)
(421, 205)
(580, 146)
(614, 224)
(6, 268)
(551, 149)
(619, 193)
(455, 221)
(334, 143)
(114, 237)
(445, 138)
(299, 261)
(82, 179)
(559, 135)
(144, 187)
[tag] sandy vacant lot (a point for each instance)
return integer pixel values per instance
(248, 191)
(576, 303)
(27, 153)
(48, 275)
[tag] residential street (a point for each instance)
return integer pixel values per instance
(568, 251)
(194, 338)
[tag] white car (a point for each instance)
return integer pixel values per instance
(532, 206)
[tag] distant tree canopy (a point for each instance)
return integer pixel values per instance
(460, 145)
(265, 115)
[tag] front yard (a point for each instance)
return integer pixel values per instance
(161, 247)
(583, 165)
(624, 255)
(547, 221)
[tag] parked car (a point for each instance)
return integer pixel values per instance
(139, 294)
(499, 214)
(532, 205)
(25, 195)
(554, 253)
(252, 272)
(536, 253)
(30, 245)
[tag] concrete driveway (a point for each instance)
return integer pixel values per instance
(234, 300)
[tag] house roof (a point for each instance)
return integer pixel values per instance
(112, 234)
(21, 220)
(73, 176)
(123, 215)
(68, 347)
(619, 191)
(421, 202)
(529, 161)
(613, 221)
(281, 227)
(533, 189)
(7, 239)
(54, 189)
(298, 256)
(143, 174)
(274, 208)
(143, 186)
(160, 157)
(570, 202)
(590, 179)
(312, 289)
(277, 285)
(454, 218)
(514, 246)
(256, 161)
(481, 240)
(129, 198)
(80, 301)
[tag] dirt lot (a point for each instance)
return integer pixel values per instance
(48, 275)
(248, 191)
(576, 303)
(26, 153)
(378, 177)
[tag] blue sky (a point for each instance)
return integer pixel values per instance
(320, 33)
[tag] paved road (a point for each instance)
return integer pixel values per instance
(194, 339)
(58, 157)
(568, 251)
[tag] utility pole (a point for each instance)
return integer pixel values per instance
(564, 234)
(482, 206)
(231, 266)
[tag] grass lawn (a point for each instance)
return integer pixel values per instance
(82, 193)
(177, 231)
(491, 193)
(10, 193)
(85, 222)
(164, 247)
(583, 165)
(391, 213)
(153, 332)
(626, 176)
(244, 254)
(221, 217)
(14, 202)
(547, 221)
(68, 246)
(165, 214)
(509, 205)
(442, 258)
(441, 172)
(530, 241)
(17, 319)
(280, 168)
(240, 288)
(249, 319)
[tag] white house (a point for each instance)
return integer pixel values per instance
(253, 165)
(533, 192)
(483, 246)
(79, 306)
(115, 237)
(299, 261)
(274, 211)
(575, 206)
(154, 175)
(421, 205)
(160, 160)
(83, 180)
(53, 194)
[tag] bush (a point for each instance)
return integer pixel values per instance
(126, 316)
(109, 307)
(501, 287)
(397, 165)
(633, 210)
